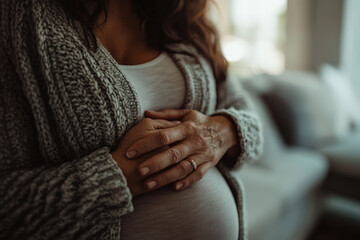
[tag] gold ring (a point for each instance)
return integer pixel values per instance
(193, 163)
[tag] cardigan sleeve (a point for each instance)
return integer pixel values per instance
(81, 198)
(235, 103)
(78, 199)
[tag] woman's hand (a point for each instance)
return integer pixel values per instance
(196, 146)
(129, 168)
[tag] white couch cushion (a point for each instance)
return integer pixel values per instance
(271, 191)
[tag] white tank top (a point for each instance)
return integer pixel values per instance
(159, 83)
(206, 210)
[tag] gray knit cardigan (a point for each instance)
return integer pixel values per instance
(63, 108)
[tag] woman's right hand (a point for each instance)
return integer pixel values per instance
(130, 167)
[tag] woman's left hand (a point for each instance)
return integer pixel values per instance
(197, 144)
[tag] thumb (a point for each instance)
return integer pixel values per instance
(168, 114)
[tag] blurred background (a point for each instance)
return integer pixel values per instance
(300, 62)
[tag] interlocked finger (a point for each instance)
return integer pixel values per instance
(193, 177)
(168, 157)
(160, 124)
(160, 138)
(177, 172)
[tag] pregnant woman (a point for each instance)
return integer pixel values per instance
(82, 157)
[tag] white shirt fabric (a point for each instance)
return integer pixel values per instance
(159, 83)
(205, 210)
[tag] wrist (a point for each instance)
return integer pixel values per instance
(119, 159)
(227, 130)
(115, 156)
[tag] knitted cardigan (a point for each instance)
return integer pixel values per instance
(64, 108)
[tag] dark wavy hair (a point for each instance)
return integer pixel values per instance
(162, 22)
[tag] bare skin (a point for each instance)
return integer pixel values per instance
(160, 144)
(121, 35)
(198, 138)
(129, 167)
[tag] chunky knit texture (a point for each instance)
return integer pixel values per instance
(63, 108)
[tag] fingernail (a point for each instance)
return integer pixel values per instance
(151, 184)
(131, 154)
(144, 170)
(178, 186)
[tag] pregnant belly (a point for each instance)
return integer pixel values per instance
(206, 210)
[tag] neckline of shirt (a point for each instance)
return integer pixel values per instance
(150, 63)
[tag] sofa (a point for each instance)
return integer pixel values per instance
(306, 156)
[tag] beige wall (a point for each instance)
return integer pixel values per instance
(298, 35)
(313, 33)
(220, 15)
